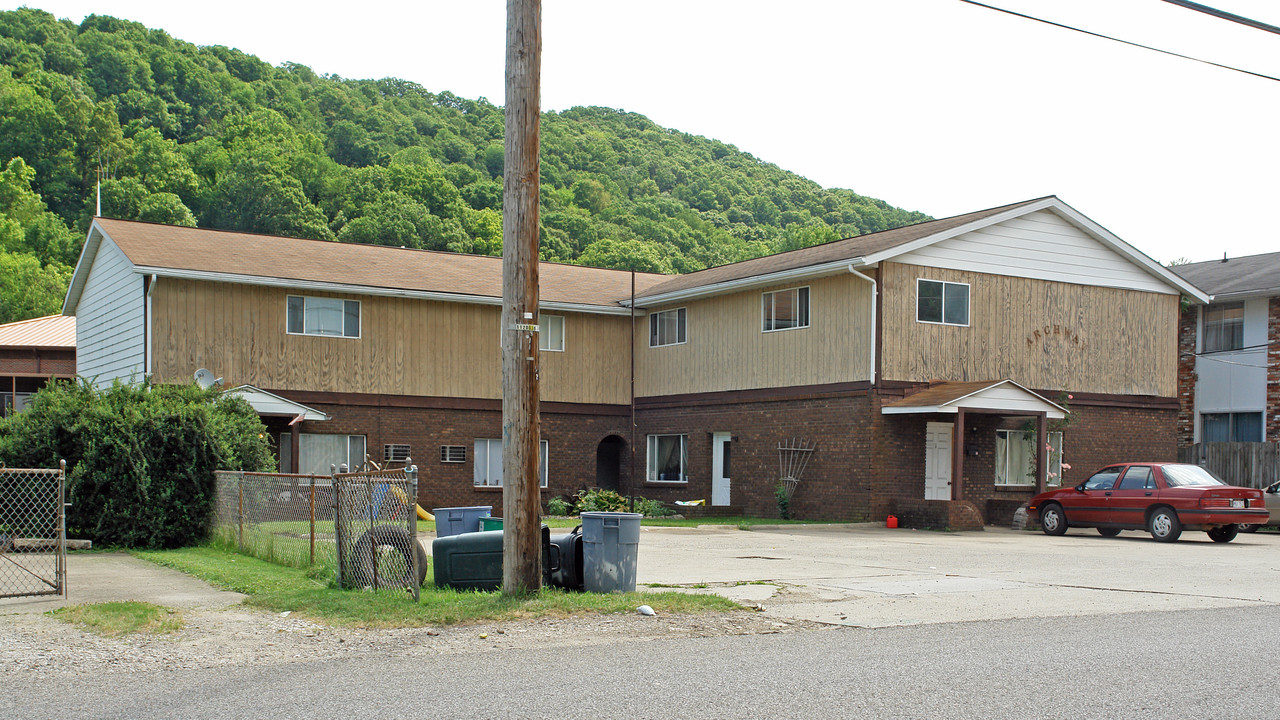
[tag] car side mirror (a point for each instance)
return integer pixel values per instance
(1080, 487)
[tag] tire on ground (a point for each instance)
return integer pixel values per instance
(367, 548)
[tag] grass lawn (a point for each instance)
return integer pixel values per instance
(278, 588)
(114, 619)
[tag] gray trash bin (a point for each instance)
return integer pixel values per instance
(610, 541)
(458, 520)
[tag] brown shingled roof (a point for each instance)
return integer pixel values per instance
(152, 245)
(835, 251)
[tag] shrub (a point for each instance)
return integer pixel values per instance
(140, 458)
(558, 506)
(784, 502)
(653, 508)
(599, 501)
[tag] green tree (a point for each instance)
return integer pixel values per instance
(30, 290)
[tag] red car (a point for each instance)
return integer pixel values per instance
(1162, 498)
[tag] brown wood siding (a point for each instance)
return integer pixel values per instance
(407, 346)
(1041, 334)
(726, 349)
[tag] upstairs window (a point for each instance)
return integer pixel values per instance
(551, 333)
(945, 303)
(326, 317)
(1224, 327)
(667, 328)
(785, 309)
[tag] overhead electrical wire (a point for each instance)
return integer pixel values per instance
(1223, 14)
(1115, 39)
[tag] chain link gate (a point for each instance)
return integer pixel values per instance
(376, 525)
(33, 532)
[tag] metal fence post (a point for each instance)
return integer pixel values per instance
(370, 512)
(62, 528)
(339, 536)
(313, 520)
(240, 513)
(410, 505)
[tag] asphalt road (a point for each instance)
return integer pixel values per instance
(1207, 663)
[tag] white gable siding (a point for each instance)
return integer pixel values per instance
(1038, 245)
(110, 320)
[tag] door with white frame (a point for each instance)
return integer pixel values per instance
(937, 461)
(721, 467)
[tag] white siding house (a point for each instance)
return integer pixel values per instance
(108, 298)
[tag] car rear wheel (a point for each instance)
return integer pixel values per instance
(1108, 532)
(1164, 525)
(1223, 534)
(1052, 521)
(1248, 528)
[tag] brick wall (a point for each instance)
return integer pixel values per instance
(835, 485)
(572, 440)
(1187, 324)
(1273, 371)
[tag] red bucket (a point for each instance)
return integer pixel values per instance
(891, 521)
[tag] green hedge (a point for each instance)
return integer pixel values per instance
(140, 458)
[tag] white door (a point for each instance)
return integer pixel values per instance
(721, 452)
(937, 461)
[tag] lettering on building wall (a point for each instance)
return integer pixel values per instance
(1041, 335)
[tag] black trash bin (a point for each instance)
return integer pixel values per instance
(567, 566)
(473, 560)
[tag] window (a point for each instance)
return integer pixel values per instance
(453, 453)
(1231, 427)
(551, 333)
(318, 454)
(942, 302)
(668, 458)
(327, 317)
(667, 328)
(1137, 477)
(395, 453)
(1104, 479)
(1224, 327)
(488, 463)
(786, 309)
(1016, 458)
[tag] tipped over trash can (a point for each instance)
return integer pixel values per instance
(458, 520)
(610, 542)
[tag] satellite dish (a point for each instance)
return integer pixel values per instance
(206, 380)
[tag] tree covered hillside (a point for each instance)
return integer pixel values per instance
(213, 137)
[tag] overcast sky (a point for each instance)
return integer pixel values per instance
(931, 105)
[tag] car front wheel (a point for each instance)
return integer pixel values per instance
(1224, 534)
(1164, 525)
(1052, 521)
(1248, 528)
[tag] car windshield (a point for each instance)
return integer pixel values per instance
(1189, 475)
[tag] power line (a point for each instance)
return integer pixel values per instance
(1115, 39)
(1223, 14)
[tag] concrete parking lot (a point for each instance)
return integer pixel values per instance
(867, 575)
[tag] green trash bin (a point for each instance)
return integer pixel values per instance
(490, 523)
(473, 561)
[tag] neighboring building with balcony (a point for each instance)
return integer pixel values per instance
(32, 352)
(1229, 352)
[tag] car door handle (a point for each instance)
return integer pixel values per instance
(1107, 493)
(1148, 494)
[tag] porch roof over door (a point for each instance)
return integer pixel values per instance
(989, 395)
(270, 404)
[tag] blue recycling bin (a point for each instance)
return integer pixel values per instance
(458, 520)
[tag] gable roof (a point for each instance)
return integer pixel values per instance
(1235, 277)
(54, 332)
(867, 250)
(225, 256)
(949, 397)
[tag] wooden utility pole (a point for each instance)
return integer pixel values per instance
(521, 501)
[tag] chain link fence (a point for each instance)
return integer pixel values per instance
(33, 537)
(283, 519)
(376, 529)
(360, 528)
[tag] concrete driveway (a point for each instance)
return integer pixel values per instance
(867, 575)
